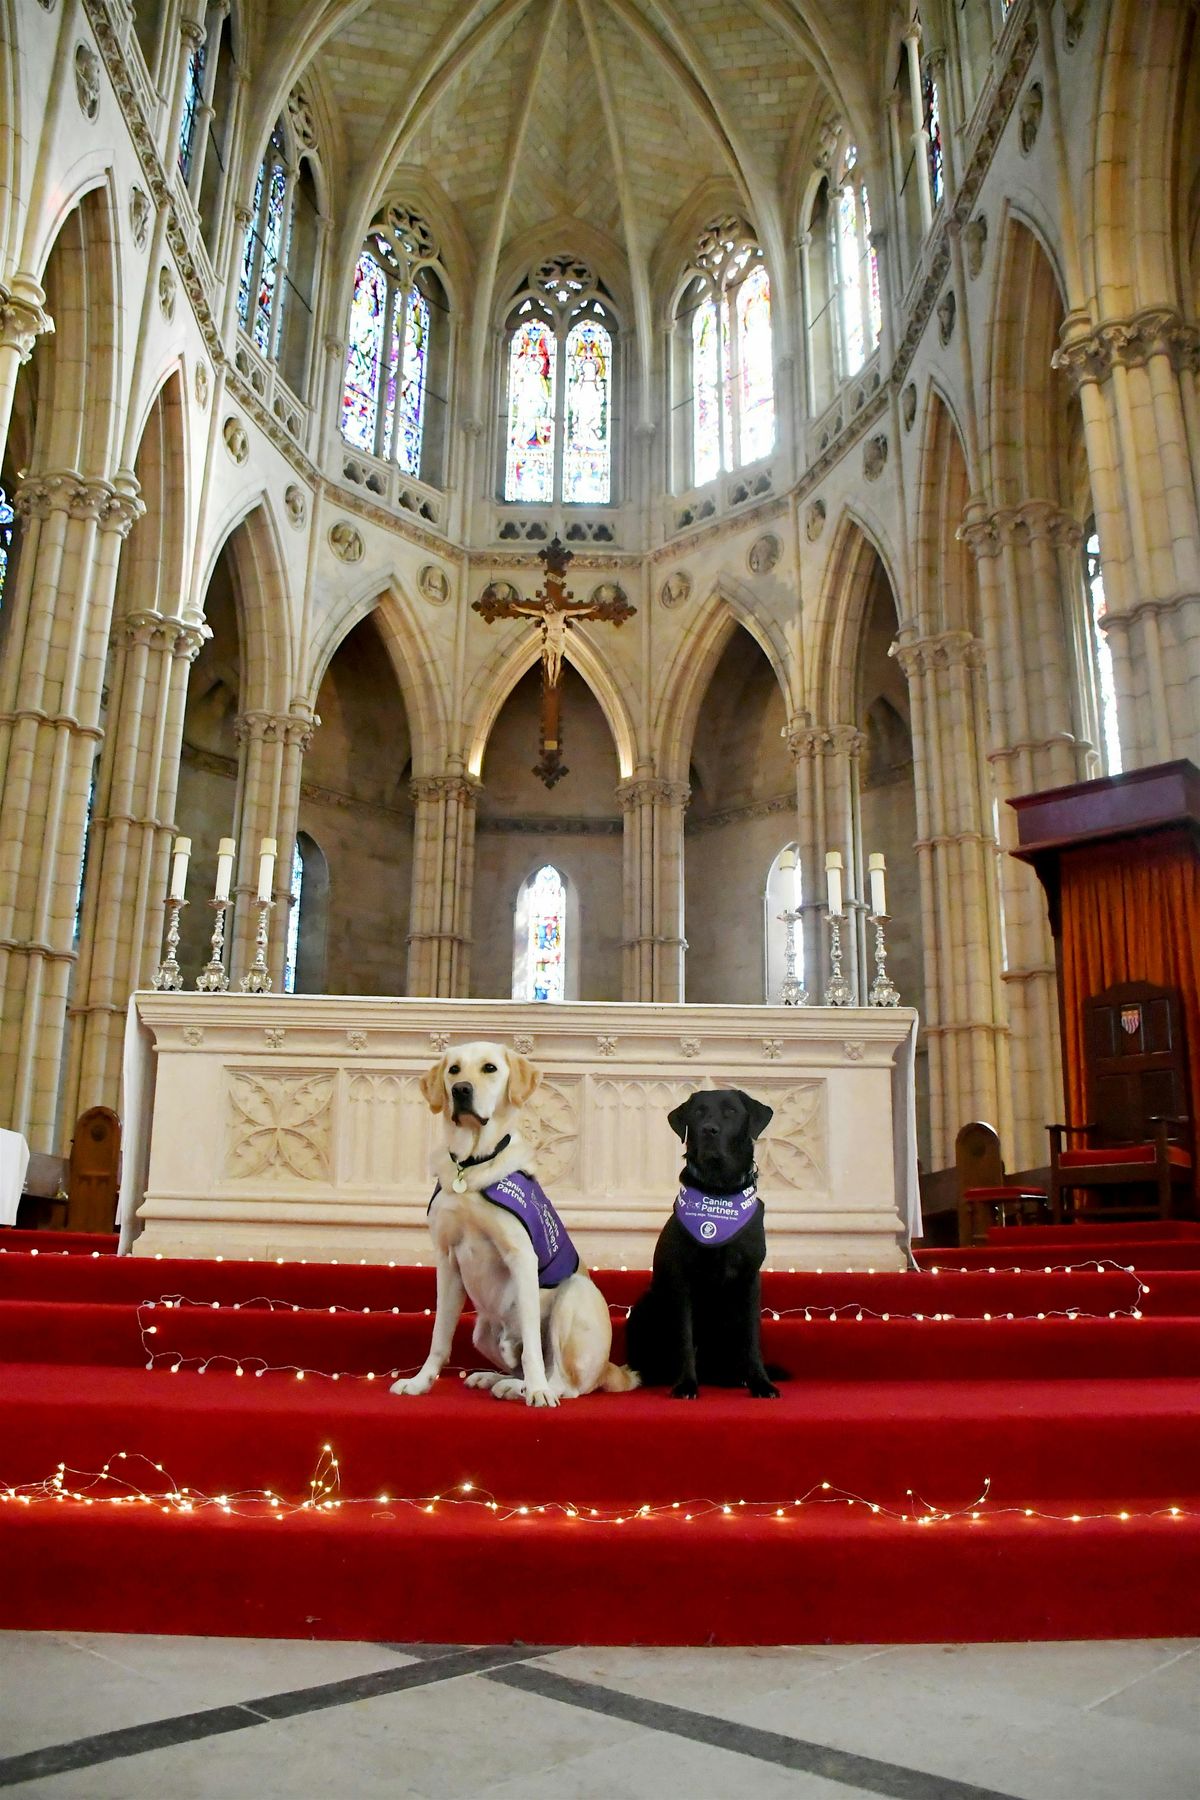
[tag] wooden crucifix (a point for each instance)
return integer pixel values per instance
(556, 609)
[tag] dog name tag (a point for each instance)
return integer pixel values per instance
(459, 1184)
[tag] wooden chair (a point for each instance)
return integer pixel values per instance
(94, 1171)
(985, 1196)
(1139, 1137)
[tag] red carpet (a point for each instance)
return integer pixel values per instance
(1065, 1422)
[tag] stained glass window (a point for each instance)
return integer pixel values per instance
(7, 518)
(413, 369)
(360, 395)
(850, 280)
(586, 448)
(247, 274)
(757, 419)
(193, 100)
(546, 899)
(706, 386)
(733, 386)
(932, 123)
(296, 892)
(1105, 678)
(529, 464)
(83, 859)
(261, 294)
(874, 303)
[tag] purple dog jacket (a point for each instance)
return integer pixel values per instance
(523, 1197)
(716, 1218)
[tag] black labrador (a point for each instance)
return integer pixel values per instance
(698, 1321)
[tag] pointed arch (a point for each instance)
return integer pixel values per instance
(495, 680)
(847, 591)
(1026, 401)
(414, 660)
(728, 605)
(945, 582)
(154, 560)
(266, 629)
(78, 368)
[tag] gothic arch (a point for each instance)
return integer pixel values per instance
(414, 662)
(265, 625)
(153, 567)
(945, 583)
(497, 677)
(691, 669)
(78, 368)
(1026, 429)
(846, 594)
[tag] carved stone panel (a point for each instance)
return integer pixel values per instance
(279, 1122)
(794, 1149)
(634, 1149)
(550, 1122)
(387, 1116)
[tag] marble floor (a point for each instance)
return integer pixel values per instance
(86, 1717)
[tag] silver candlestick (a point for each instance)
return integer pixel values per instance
(170, 977)
(793, 992)
(212, 979)
(257, 979)
(884, 991)
(838, 991)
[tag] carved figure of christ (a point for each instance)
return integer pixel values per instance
(555, 609)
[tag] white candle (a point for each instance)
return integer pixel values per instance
(789, 867)
(833, 880)
(226, 850)
(266, 868)
(875, 868)
(179, 866)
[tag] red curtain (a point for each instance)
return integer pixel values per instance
(1130, 912)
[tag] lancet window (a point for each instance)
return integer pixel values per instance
(840, 271)
(540, 947)
(1105, 679)
(206, 120)
(931, 124)
(277, 284)
(7, 522)
(296, 899)
(393, 395)
(559, 388)
(857, 268)
(724, 321)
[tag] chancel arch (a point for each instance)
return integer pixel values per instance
(574, 826)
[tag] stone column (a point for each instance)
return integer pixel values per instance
(23, 319)
(827, 759)
(1138, 382)
(964, 1023)
(50, 688)
(443, 878)
(654, 945)
(129, 845)
(1042, 735)
(271, 752)
(920, 137)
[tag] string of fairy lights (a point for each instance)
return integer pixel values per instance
(122, 1487)
(175, 1361)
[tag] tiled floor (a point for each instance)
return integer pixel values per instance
(194, 1718)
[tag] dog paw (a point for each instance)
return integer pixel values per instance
(413, 1384)
(540, 1396)
(685, 1390)
(762, 1389)
(482, 1378)
(508, 1388)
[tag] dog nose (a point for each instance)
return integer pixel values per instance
(461, 1093)
(708, 1131)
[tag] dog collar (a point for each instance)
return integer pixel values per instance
(459, 1184)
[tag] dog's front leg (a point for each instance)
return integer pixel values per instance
(529, 1312)
(748, 1324)
(687, 1387)
(450, 1296)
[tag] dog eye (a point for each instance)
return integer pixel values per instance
(454, 1069)
(489, 1068)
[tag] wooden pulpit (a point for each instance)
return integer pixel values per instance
(1119, 860)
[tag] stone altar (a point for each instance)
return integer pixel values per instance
(288, 1126)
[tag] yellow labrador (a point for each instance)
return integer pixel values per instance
(539, 1317)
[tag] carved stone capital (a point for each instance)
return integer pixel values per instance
(1130, 343)
(806, 741)
(651, 790)
(430, 790)
(161, 632)
(63, 490)
(275, 728)
(943, 650)
(987, 534)
(23, 316)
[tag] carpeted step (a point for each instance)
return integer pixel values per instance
(62, 1243)
(1097, 1290)
(1068, 1442)
(829, 1574)
(1144, 1254)
(823, 1347)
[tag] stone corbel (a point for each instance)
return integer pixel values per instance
(23, 316)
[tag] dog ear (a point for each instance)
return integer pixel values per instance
(433, 1086)
(523, 1078)
(681, 1117)
(758, 1112)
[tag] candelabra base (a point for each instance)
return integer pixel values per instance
(169, 978)
(257, 979)
(884, 991)
(838, 991)
(794, 993)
